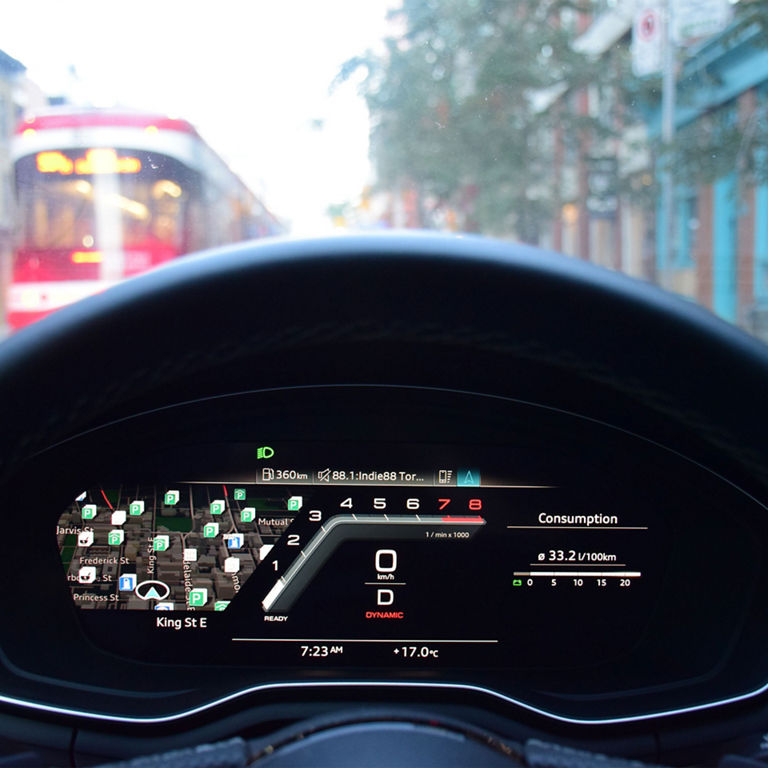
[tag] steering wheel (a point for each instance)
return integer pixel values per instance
(449, 313)
(364, 309)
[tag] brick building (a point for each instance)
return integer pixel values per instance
(719, 250)
(11, 71)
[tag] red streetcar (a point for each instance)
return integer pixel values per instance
(104, 195)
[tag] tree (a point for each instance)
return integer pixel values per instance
(460, 102)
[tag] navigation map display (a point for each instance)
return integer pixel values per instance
(185, 546)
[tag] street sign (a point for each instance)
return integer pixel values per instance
(695, 19)
(602, 199)
(647, 39)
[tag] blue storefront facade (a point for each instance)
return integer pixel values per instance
(720, 232)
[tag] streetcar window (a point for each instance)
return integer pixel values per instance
(61, 211)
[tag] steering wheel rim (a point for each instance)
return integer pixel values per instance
(526, 306)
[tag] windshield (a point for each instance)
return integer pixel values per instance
(629, 134)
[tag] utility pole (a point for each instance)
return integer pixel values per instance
(668, 99)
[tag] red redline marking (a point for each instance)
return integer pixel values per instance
(475, 519)
(106, 499)
(226, 495)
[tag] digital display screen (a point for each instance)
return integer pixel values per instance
(284, 556)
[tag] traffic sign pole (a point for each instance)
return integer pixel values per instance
(668, 100)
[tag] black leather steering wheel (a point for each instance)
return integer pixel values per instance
(463, 313)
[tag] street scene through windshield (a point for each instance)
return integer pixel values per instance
(632, 134)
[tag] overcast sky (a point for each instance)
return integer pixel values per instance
(252, 76)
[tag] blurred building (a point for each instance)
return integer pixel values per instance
(603, 174)
(10, 73)
(605, 165)
(18, 94)
(10, 111)
(715, 248)
(718, 252)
